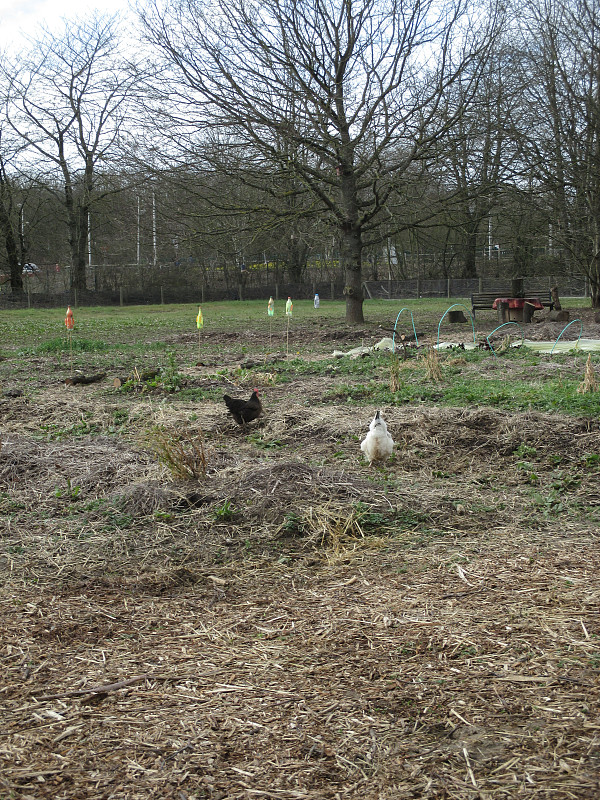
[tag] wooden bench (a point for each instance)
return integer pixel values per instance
(484, 300)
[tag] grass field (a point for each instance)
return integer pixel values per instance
(194, 610)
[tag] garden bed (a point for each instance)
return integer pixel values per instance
(293, 623)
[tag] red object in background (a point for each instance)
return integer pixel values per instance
(69, 319)
(518, 302)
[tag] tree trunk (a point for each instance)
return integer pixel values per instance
(374, 264)
(78, 219)
(12, 256)
(594, 273)
(350, 230)
(296, 261)
(8, 234)
(350, 256)
(595, 286)
(78, 281)
(470, 253)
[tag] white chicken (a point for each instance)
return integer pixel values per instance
(378, 444)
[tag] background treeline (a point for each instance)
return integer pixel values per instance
(239, 146)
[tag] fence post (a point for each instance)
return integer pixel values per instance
(448, 289)
(162, 295)
(75, 298)
(418, 287)
(120, 295)
(28, 297)
(332, 290)
(203, 293)
(480, 285)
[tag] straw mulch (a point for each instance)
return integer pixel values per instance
(448, 680)
(297, 624)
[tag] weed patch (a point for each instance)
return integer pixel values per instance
(181, 450)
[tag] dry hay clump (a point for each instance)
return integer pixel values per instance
(144, 498)
(58, 411)
(505, 344)
(432, 363)
(590, 382)
(318, 427)
(488, 432)
(254, 378)
(318, 423)
(274, 491)
(95, 466)
(395, 375)
(334, 526)
(180, 449)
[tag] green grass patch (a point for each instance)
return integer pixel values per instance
(53, 432)
(61, 345)
(164, 337)
(555, 394)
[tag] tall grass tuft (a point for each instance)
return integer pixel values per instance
(395, 382)
(432, 363)
(589, 383)
(181, 450)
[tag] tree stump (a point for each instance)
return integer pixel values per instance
(456, 316)
(555, 298)
(558, 316)
(528, 310)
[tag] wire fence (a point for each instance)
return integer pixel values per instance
(574, 286)
(130, 284)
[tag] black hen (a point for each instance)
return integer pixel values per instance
(244, 411)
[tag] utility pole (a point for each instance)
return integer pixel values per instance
(89, 238)
(154, 249)
(138, 232)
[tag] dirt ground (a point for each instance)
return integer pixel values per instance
(296, 624)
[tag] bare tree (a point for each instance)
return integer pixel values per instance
(563, 96)
(68, 100)
(347, 95)
(482, 153)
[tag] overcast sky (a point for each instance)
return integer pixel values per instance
(18, 17)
